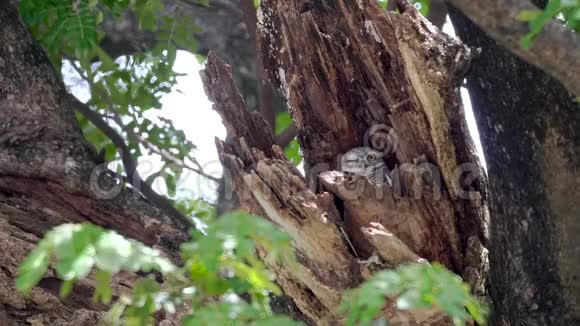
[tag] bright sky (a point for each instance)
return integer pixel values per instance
(190, 111)
(471, 125)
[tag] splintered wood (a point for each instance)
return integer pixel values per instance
(349, 71)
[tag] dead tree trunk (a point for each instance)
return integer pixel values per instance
(45, 181)
(355, 75)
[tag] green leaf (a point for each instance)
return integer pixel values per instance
(292, 151)
(537, 20)
(73, 249)
(170, 183)
(423, 6)
(112, 252)
(529, 15)
(143, 304)
(414, 286)
(232, 312)
(66, 288)
(526, 41)
(106, 61)
(78, 247)
(283, 121)
(171, 53)
(33, 268)
(103, 291)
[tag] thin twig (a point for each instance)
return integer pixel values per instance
(92, 85)
(164, 154)
(129, 163)
(167, 156)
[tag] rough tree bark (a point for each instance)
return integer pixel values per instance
(554, 50)
(45, 181)
(344, 66)
(529, 127)
(347, 67)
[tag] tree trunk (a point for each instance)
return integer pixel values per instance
(355, 75)
(349, 71)
(47, 178)
(530, 131)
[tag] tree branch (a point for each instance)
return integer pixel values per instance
(555, 49)
(168, 156)
(130, 165)
(265, 94)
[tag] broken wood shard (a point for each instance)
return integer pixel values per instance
(389, 247)
(406, 218)
(346, 67)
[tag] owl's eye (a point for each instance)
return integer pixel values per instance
(371, 158)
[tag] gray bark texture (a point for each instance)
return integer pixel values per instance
(45, 181)
(554, 50)
(530, 131)
(344, 67)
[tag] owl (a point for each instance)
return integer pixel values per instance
(366, 162)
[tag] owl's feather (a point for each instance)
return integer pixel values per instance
(366, 162)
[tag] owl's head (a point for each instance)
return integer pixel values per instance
(362, 161)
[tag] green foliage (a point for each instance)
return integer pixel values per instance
(292, 151)
(567, 11)
(383, 3)
(77, 248)
(243, 313)
(72, 28)
(122, 89)
(422, 5)
(197, 208)
(63, 26)
(220, 264)
(413, 287)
